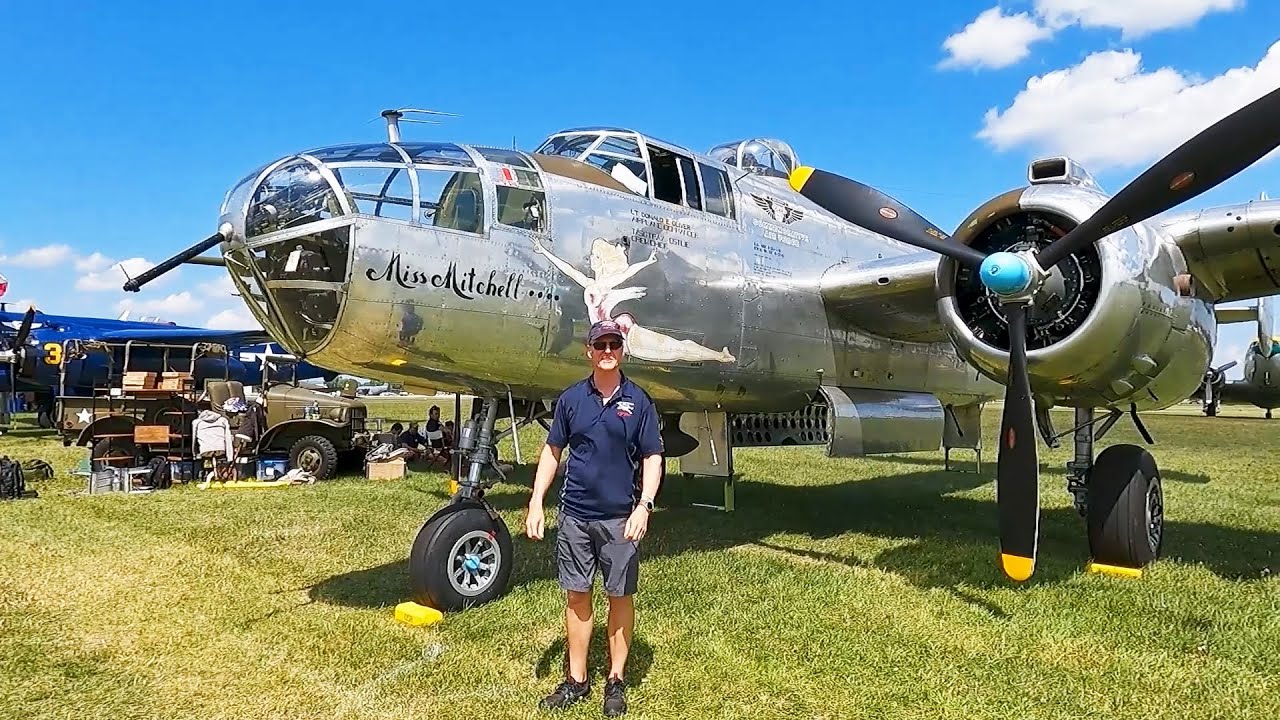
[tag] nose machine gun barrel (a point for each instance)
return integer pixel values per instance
(135, 284)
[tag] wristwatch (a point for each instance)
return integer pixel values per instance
(646, 503)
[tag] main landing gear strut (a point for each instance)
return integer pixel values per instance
(462, 555)
(1119, 493)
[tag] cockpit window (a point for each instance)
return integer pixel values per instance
(437, 154)
(762, 156)
(571, 146)
(382, 191)
(362, 152)
(628, 171)
(715, 185)
(296, 193)
(503, 157)
(453, 200)
(616, 145)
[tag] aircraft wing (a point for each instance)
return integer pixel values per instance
(231, 338)
(1226, 315)
(893, 298)
(1231, 251)
(1243, 393)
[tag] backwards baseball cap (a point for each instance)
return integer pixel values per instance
(602, 328)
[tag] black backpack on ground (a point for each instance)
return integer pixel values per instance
(12, 482)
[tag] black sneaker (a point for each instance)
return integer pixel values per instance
(615, 698)
(566, 693)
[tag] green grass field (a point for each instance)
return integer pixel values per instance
(838, 589)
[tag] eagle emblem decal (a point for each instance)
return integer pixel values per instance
(777, 209)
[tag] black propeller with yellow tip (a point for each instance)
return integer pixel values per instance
(1203, 162)
(18, 349)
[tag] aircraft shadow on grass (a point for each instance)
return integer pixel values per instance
(952, 540)
(1046, 468)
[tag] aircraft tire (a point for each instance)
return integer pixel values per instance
(1126, 507)
(314, 451)
(469, 534)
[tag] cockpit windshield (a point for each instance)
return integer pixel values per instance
(616, 152)
(762, 156)
(298, 222)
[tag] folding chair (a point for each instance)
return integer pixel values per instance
(436, 453)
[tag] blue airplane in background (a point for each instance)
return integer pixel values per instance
(31, 347)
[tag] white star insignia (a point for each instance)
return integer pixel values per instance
(84, 416)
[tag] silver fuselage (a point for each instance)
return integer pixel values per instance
(738, 294)
(487, 312)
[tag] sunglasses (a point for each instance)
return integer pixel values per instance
(612, 344)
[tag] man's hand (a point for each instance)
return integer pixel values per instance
(533, 521)
(637, 524)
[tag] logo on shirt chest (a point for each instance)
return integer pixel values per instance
(625, 408)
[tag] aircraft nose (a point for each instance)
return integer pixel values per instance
(290, 249)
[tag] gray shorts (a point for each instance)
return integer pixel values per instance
(583, 546)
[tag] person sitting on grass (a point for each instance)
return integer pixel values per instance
(414, 441)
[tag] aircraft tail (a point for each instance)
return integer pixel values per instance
(1268, 333)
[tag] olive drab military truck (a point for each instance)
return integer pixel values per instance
(319, 432)
(133, 416)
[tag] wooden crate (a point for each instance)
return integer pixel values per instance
(388, 470)
(150, 434)
(139, 380)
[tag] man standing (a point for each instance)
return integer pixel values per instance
(610, 426)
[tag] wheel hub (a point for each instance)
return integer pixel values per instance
(1155, 516)
(473, 562)
(309, 459)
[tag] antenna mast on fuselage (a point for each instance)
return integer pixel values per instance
(393, 118)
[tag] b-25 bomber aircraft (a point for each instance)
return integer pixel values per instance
(1260, 385)
(765, 303)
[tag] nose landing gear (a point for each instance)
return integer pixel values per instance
(462, 555)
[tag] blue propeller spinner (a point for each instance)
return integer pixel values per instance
(1005, 273)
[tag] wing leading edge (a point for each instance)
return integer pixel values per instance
(232, 338)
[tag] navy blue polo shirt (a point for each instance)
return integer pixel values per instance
(606, 442)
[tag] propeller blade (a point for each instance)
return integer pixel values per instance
(24, 330)
(1201, 163)
(867, 207)
(1018, 468)
(1228, 366)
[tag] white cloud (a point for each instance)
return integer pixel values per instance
(1108, 112)
(113, 278)
(1134, 18)
(39, 257)
(233, 319)
(167, 308)
(993, 40)
(220, 288)
(92, 263)
(997, 40)
(21, 304)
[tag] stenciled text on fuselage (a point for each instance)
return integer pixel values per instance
(466, 284)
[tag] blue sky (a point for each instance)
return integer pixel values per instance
(124, 124)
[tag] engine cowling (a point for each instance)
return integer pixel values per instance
(1116, 323)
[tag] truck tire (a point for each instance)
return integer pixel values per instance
(113, 446)
(316, 455)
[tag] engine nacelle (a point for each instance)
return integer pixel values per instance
(1115, 324)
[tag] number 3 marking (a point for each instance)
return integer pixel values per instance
(52, 353)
